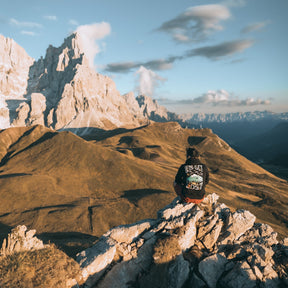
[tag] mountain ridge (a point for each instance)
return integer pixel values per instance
(47, 175)
(234, 117)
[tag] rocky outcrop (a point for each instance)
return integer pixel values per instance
(20, 240)
(26, 262)
(188, 245)
(204, 245)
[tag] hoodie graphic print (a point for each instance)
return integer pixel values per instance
(194, 179)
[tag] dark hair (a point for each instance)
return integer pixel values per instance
(192, 152)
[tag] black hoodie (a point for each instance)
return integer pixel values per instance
(193, 176)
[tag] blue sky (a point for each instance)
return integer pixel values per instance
(190, 55)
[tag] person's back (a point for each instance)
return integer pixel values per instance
(191, 178)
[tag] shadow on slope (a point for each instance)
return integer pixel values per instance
(4, 231)
(195, 140)
(70, 242)
(13, 175)
(98, 134)
(134, 196)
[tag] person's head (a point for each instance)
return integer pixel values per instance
(192, 153)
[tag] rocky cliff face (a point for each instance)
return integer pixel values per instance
(188, 245)
(14, 69)
(62, 90)
(14, 73)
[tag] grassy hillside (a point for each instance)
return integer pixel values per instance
(65, 186)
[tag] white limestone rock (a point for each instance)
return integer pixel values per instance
(14, 69)
(38, 106)
(207, 225)
(95, 260)
(4, 114)
(134, 106)
(211, 269)
(165, 252)
(238, 223)
(174, 209)
(187, 234)
(149, 105)
(22, 114)
(125, 273)
(269, 272)
(129, 233)
(260, 233)
(151, 109)
(210, 239)
(21, 240)
(210, 199)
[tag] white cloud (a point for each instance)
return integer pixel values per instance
(213, 97)
(178, 37)
(224, 98)
(50, 17)
(196, 23)
(17, 23)
(90, 36)
(29, 33)
(147, 81)
(255, 27)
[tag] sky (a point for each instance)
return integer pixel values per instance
(190, 55)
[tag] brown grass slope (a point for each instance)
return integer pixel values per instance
(47, 267)
(58, 182)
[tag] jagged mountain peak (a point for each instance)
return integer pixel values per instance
(63, 91)
(72, 49)
(14, 69)
(12, 54)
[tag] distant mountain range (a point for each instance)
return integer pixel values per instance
(200, 118)
(235, 127)
(261, 136)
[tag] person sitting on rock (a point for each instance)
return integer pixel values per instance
(191, 178)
